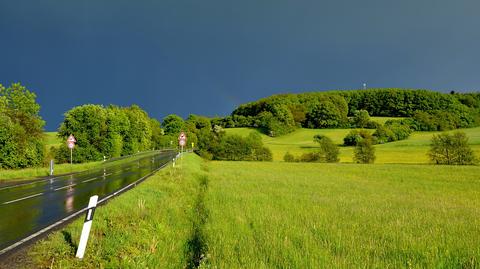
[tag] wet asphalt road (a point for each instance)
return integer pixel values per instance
(28, 208)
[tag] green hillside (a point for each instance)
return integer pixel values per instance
(412, 150)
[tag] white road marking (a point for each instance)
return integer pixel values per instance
(88, 180)
(61, 188)
(24, 198)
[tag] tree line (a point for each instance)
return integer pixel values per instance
(21, 128)
(429, 110)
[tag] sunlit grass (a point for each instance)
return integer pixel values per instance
(412, 150)
(291, 215)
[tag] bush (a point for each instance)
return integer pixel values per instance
(393, 130)
(360, 119)
(311, 157)
(355, 136)
(235, 148)
(451, 149)
(364, 152)
(288, 157)
(328, 150)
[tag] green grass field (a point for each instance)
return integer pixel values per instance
(412, 150)
(51, 139)
(283, 215)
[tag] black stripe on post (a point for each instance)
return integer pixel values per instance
(90, 213)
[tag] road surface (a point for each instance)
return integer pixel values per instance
(28, 208)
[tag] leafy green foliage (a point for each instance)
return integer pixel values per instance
(107, 131)
(238, 148)
(451, 149)
(21, 128)
(360, 119)
(328, 150)
(355, 136)
(364, 151)
(393, 130)
(330, 110)
(173, 124)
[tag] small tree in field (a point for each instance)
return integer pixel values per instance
(451, 149)
(327, 148)
(364, 151)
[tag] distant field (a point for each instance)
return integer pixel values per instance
(283, 215)
(51, 139)
(412, 150)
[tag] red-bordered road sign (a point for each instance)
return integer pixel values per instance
(182, 136)
(72, 139)
(71, 145)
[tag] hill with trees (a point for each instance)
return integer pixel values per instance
(428, 110)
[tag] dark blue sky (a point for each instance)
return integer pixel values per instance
(207, 57)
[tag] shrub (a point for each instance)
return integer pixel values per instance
(328, 150)
(310, 157)
(361, 118)
(355, 136)
(236, 148)
(364, 152)
(393, 130)
(288, 157)
(451, 149)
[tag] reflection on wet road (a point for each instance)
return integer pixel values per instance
(30, 207)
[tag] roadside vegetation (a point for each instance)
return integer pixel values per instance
(21, 128)
(262, 215)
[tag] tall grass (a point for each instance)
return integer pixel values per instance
(274, 215)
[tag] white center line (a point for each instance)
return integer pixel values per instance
(20, 199)
(89, 179)
(65, 187)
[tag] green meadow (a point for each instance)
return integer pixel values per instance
(412, 150)
(283, 215)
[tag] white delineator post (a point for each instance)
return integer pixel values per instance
(87, 225)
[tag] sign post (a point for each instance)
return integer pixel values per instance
(51, 167)
(87, 225)
(182, 140)
(71, 144)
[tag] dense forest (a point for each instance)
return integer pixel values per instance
(429, 110)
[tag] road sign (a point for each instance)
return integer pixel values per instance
(71, 145)
(72, 139)
(182, 136)
(182, 143)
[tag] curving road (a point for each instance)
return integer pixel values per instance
(26, 209)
